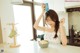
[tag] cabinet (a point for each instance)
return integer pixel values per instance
(74, 39)
(77, 39)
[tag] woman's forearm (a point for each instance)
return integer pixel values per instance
(63, 36)
(38, 20)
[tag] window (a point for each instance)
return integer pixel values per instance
(38, 11)
(23, 17)
(27, 13)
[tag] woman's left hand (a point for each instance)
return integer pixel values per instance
(43, 7)
(62, 21)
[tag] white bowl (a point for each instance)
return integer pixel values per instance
(43, 43)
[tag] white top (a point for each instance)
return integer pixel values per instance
(50, 37)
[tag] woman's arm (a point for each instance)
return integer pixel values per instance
(36, 24)
(37, 27)
(62, 33)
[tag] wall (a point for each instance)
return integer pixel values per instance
(64, 15)
(6, 15)
(72, 4)
(57, 5)
(74, 19)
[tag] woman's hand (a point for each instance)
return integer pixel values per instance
(43, 7)
(62, 32)
(62, 21)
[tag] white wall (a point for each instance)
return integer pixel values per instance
(57, 5)
(74, 19)
(64, 15)
(72, 4)
(6, 15)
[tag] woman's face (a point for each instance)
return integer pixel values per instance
(49, 21)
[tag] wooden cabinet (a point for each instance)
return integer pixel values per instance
(74, 39)
(77, 40)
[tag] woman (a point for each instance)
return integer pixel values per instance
(55, 33)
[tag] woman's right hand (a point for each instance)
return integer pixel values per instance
(43, 7)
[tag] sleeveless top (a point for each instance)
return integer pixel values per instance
(50, 37)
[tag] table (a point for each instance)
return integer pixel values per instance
(58, 49)
(33, 47)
